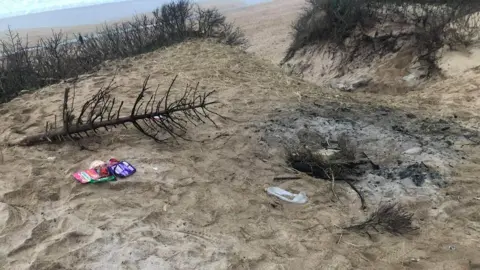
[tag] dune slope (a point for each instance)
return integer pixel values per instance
(202, 205)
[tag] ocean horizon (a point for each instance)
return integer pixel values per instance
(53, 13)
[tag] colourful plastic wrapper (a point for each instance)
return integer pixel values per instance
(105, 172)
(92, 176)
(121, 169)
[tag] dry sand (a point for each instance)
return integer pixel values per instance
(268, 26)
(197, 205)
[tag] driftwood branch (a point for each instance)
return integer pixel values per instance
(150, 116)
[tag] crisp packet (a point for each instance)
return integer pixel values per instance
(120, 169)
(92, 176)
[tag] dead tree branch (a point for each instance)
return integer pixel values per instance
(151, 116)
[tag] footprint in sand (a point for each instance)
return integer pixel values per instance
(70, 241)
(12, 217)
(40, 232)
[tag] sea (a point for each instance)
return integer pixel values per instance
(27, 14)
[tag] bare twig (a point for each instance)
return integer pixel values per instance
(286, 177)
(332, 187)
(360, 195)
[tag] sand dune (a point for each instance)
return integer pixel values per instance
(197, 205)
(202, 205)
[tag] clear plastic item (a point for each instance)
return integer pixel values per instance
(287, 196)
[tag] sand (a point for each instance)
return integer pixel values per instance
(268, 26)
(202, 205)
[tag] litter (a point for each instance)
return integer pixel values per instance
(284, 195)
(92, 176)
(413, 151)
(121, 169)
(97, 163)
(100, 171)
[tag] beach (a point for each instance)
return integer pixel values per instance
(201, 203)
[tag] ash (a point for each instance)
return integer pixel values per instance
(414, 157)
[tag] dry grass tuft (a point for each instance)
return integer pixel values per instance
(392, 218)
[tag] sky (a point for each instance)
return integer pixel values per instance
(11, 8)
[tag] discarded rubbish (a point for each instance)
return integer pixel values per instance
(97, 163)
(413, 151)
(284, 195)
(93, 176)
(121, 168)
(100, 171)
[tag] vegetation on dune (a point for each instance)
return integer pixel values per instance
(389, 217)
(60, 57)
(383, 26)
